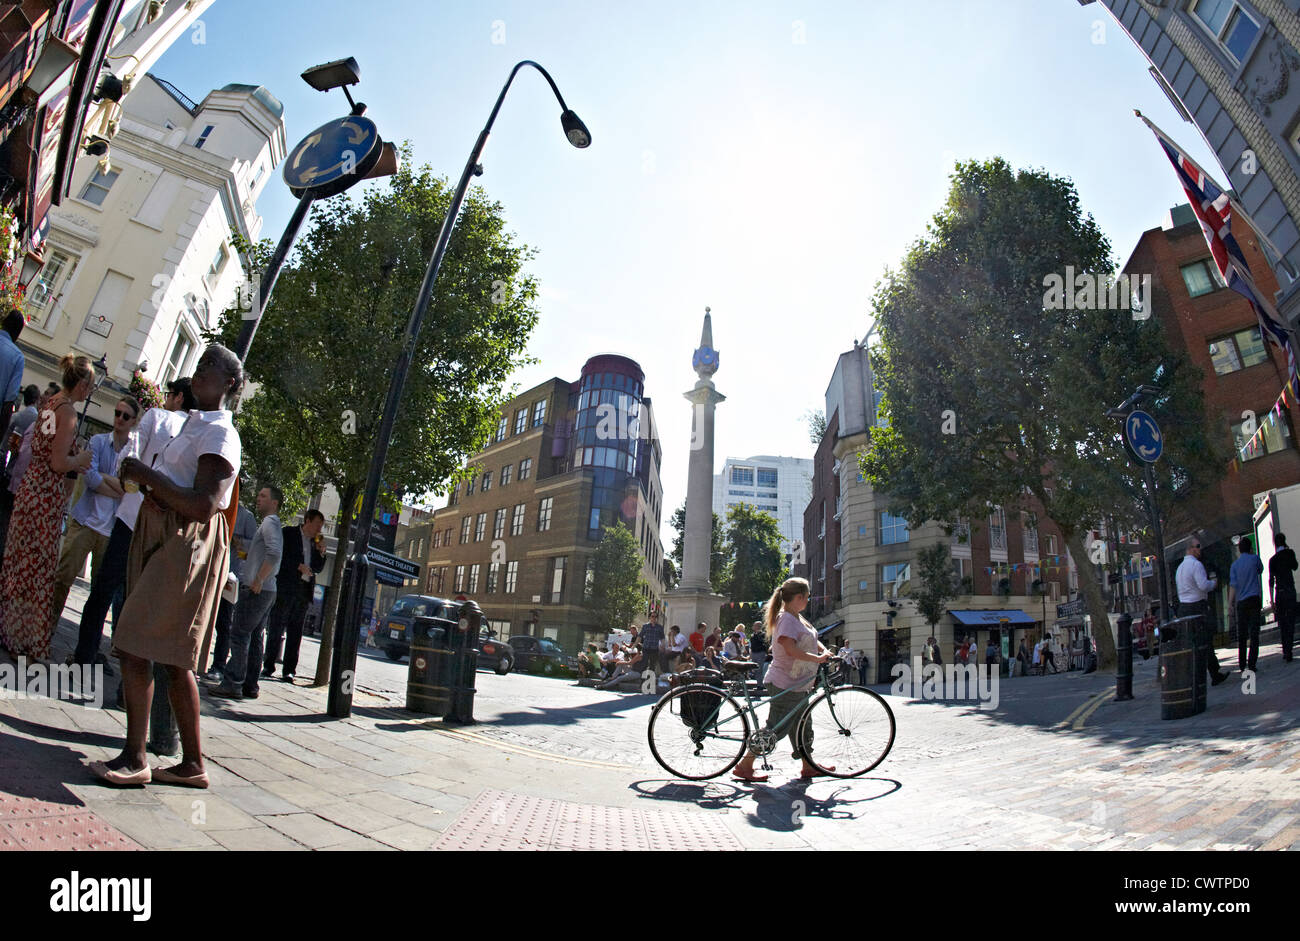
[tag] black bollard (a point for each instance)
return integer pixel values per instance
(1124, 669)
(464, 664)
(164, 737)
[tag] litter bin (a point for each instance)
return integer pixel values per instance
(1182, 669)
(428, 679)
(463, 641)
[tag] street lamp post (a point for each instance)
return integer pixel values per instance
(343, 663)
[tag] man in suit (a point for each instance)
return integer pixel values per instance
(304, 556)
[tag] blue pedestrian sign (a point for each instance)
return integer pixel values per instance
(1142, 435)
(334, 156)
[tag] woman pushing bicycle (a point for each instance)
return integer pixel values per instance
(796, 653)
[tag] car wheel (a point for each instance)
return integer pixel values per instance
(548, 668)
(503, 666)
(393, 653)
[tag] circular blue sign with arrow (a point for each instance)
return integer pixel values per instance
(1143, 437)
(334, 156)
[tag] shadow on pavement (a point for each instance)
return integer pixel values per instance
(778, 808)
(37, 770)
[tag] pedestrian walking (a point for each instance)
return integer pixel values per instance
(1193, 585)
(304, 556)
(1022, 656)
(176, 571)
(91, 521)
(27, 579)
(654, 649)
(257, 595)
(153, 433)
(1246, 601)
(1049, 656)
(1281, 591)
(796, 652)
(13, 440)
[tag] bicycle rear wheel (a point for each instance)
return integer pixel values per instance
(698, 732)
(851, 729)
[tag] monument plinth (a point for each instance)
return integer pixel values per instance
(695, 600)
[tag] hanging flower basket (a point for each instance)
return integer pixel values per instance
(11, 289)
(146, 391)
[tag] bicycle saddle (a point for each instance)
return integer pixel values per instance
(738, 666)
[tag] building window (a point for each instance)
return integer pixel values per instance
(517, 521)
(465, 524)
(469, 485)
(525, 468)
(512, 576)
(473, 579)
(97, 187)
(544, 514)
(480, 528)
(521, 422)
(437, 538)
(203, 137)
(1273, 436)
(539, 413)
(555, 579)
(1031, 541)
(502, 424)
(1201, 277)
(499, 524)
(1231, 26)
(505, 474)
(998, 530)
(1051, 545)
(460, 578)
(487, 481)
(588, 580)
(46, 288)
(892, 580)
(181, 348)
(742, 476)
(1238, 350)
(893, 529)
(767, 477)
(494, 570)
(217, 264)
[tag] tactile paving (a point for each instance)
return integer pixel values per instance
(501, 820)
(83, 831)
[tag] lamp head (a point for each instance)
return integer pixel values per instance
(333, 74)
(575, 130)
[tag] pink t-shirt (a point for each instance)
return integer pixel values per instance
(785, 671)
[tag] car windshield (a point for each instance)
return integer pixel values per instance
(413, 606)
(552, 647)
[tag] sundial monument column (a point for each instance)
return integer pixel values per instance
(694, 599)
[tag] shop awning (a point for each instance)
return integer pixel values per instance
(990, 618)
(821, 631)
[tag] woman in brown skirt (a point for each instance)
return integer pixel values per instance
(175, 573)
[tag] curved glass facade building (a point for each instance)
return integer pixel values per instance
(609, 438)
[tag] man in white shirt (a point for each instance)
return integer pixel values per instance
(1193, 585)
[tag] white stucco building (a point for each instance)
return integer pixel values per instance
(779, 486)
(139, 259)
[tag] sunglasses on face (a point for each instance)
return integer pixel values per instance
(125, 416)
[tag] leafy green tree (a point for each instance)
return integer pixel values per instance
(816, 421)
(993, 392)
(326, 345)
(935, 585)
(755, 561)
(718, 556)
(615, 598)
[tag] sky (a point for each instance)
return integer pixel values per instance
(766, 160)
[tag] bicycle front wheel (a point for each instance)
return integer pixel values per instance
(698, 732)
(847, 731)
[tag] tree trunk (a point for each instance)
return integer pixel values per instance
(341, 554)
(1090, 586)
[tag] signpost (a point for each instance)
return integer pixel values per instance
(333, 157)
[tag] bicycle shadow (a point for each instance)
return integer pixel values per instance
(706, 795)
(779, 808)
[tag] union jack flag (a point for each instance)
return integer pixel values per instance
(1213, 209)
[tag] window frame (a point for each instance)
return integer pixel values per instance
(480, 526)
(94, 183)
(1220, 38)
(506, 471)
(539, 414)
(1211, 269)
(521, 420)
(545, 509)
(517, 519)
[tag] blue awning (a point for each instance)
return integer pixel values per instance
(990, 618)
(822, 631)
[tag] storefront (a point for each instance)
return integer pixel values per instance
(1003, 628)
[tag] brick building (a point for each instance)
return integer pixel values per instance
(566, 460)
(1219, 332)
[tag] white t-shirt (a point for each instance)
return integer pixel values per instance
(155, 432)
(203, 433)
(678, 642)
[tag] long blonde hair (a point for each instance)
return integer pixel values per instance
(790, 589)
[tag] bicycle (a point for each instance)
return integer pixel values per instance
(699, 731)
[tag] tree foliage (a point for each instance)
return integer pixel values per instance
(989, 397)
(935, 585)
(616, 598)
(754, 563)
(327, 343)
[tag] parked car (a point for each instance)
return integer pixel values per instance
(495, 654)
(541, 655)
(394, 631)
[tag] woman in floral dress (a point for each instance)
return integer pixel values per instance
(32, 553)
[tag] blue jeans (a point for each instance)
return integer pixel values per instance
(247, 637)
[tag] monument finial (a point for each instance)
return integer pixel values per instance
(705, 360)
